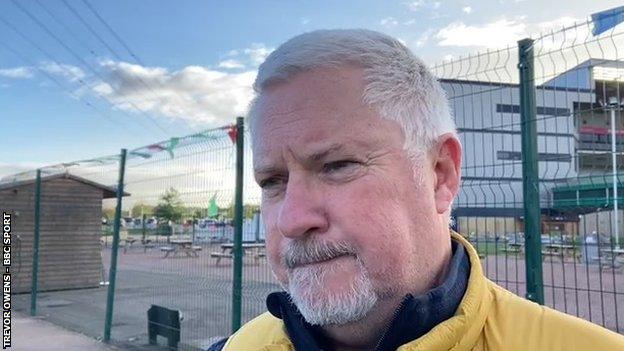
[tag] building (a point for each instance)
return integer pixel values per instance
(70, 230)
(574, 149)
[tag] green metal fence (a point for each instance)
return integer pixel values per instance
(177, 224)
(542, 128)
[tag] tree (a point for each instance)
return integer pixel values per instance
(170, 207)
(141, 208)
(248, 211)
(108, 213)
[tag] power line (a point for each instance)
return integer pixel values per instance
(90, 29)
(57, 82)
(86, 24)
(67, 29)
(125, 45)
(81, 60)
(110, 29)
(51, 58)
(110, 48)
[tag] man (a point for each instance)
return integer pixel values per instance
(358, 160)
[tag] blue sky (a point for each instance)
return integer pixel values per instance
(72, 89)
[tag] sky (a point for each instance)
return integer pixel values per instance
(84, 78)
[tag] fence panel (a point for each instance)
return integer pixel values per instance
(179, 210)
(484, 96)
(71, 273)
(579, 82)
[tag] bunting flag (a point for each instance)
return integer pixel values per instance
(213, 209)
(145, 152)
(233, 133)
(605, 20)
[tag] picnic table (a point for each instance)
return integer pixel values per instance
(256, 250)
(514, 248)
(561, 250)
(181, 246)
(612, 259)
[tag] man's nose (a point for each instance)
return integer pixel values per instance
(302, 211)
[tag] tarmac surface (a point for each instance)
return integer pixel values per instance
(36, 334)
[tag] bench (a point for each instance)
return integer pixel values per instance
(220, 255)
(551, 254)
(148, 246)
(576, 255)
(167, 250)
(608, 263)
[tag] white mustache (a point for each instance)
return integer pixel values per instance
(302, 252)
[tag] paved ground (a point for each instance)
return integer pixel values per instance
(197, 287)
(201, 290)
(35, 334)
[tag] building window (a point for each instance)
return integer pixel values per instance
(542, 156)
(541, 110)
(509, 155)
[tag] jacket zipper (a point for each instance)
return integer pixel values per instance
(387, 329)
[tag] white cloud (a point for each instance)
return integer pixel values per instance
(389, 22)
(424, 38)
(491, 35)
(231, 64)
(195, 94)
(467, 9)
(409, 23)
(304, 21)
(557, 23)
(7, 169)
(257, 53)
(72, 73)
(16, 72)
(415, 5)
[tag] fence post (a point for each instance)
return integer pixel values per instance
(35, 264)
(110, 298)
(530, 180)
(143, 233)
(238, 228)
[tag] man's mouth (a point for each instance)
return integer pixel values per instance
(304, 263)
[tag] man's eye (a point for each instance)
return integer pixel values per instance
(269, 183)
(339, 165)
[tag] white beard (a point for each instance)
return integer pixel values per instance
(321, 307)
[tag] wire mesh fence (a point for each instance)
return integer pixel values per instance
(577, 74)
(174, 249)
(70, 271)
(177, 243)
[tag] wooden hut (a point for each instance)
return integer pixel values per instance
(70, 230)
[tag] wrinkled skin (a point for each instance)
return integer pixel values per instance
(333, 170)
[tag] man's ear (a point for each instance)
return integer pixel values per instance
(446, 157)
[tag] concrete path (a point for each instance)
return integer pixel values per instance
(35, 334)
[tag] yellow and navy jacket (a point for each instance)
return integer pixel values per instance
(488, 317)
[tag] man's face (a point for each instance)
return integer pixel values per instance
(346, 212)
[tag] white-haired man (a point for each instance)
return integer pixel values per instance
(358, 160)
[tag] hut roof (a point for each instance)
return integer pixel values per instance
(108, 191)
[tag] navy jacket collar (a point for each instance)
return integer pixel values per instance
(415, 316)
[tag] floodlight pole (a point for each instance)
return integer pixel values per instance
(616, 223)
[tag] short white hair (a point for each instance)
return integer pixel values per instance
(398, 84)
